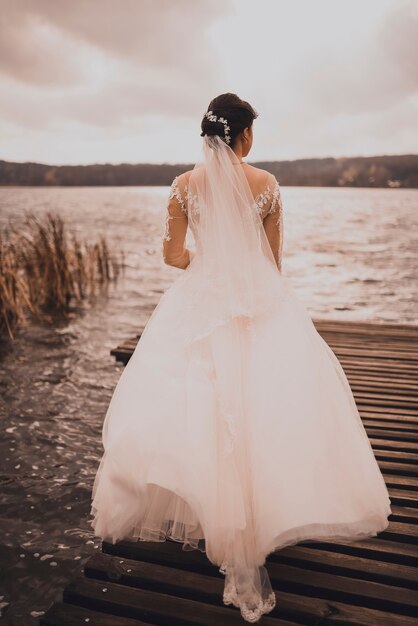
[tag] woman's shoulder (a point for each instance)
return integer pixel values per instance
(256, 170)
(184, 176)
(260, 175)
(179, 184)
(263, 183)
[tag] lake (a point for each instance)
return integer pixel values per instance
(349, 253)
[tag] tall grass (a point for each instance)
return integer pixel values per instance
(45, 270)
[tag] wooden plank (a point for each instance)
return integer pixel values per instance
(352, 339)
(393, 444)
(153, 606)
(62, 614)
(344, 589)
(105, 567)
(404, 390)
(208, 589)
(388, 366)
(399, 457)
(307, 610)
(382, 384)
(407, 533)
(401, 469)
(371, 353)
(391, 435)
(402, 349)
(384, 400)
(383, 415)
(388, 416)
(401, 482)
(405, 514)
(168, 553)
(375, 547)
(403, 497)
(319, 612)
(411, 427)
(355, 566)
(408, 331)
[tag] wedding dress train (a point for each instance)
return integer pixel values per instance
(233, 428)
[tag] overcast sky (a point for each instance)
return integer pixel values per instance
(110, 81)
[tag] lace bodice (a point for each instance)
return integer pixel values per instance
(182, 203)
(189, 202)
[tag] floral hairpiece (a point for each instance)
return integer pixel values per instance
(213, 118)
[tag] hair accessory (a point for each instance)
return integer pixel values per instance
(213, 118)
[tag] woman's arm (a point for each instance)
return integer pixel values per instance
(273, 225)
(174, 251)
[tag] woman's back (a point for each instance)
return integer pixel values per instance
(183, 204)
(260, 181)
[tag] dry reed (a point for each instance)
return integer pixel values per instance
(44, 270)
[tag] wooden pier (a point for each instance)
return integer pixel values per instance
(372, 582)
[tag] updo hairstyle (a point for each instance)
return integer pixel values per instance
(238, 113)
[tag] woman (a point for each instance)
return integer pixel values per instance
(233, 428)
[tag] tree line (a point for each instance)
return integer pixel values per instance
(374, 171)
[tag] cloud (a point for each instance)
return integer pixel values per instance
(37, 36)
(129, 79)
(372, 74)
(104, 63)
(155, 33)
(398, 41)
(33, 51)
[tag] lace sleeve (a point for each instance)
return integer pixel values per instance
(273, 224)
(174, 251)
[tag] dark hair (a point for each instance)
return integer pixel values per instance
(239, 114)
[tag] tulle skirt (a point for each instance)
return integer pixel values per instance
(239, 442)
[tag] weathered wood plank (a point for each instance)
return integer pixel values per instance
(378, 422)
(375, 547)
(62, 614)
(403, 497)
(355, 566)
(402, 469)
(393, 444)
(335, 585)
(406, 514)
(153, 606)
(168, 553)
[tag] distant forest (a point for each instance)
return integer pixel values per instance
(377, 171)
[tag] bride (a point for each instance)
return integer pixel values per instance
(233, 428)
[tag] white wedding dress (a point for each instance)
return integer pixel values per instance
(233, 428)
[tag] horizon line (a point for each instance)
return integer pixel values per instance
(160, 163)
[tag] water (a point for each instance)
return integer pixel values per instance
(349, 253)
